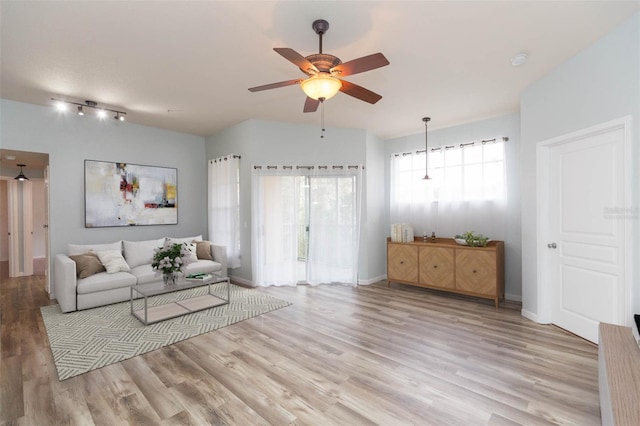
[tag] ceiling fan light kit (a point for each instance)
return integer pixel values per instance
(321, 86)
(324, 73)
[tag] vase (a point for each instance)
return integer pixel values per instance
(169, 278)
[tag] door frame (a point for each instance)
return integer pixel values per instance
(543, 156)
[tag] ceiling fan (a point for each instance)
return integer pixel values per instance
(324, 72)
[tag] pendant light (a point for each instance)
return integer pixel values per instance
(21, 176)
(426, 150)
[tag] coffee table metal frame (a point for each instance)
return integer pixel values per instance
(152, 314)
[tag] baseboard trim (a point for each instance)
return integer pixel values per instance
(248, 283)
(372, 280)
(241, 281)
(530, 315)
(513, 297)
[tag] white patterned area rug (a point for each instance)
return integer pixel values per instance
(85, 340)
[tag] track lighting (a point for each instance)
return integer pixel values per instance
(21, 176)
(101, 112)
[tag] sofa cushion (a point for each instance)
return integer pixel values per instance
(203, 250)
(74, 249)
(138, 253)
(187, 240)
(104, 281)
(145, 274)
(87, 264)
(113, 261)
(202, 266)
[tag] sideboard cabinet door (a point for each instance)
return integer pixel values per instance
(402, 262)
(476, 271)
(436, 266)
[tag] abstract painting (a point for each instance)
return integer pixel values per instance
(123, 194)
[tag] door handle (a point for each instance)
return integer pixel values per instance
(552, 245)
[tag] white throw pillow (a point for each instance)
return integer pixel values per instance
(138, 253)
(75, 249)
(192, 249)
(113, 261)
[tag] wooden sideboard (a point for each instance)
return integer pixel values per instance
(446, 265)
(619, 376)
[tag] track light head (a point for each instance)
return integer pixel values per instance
(102, 113)
(80, 111)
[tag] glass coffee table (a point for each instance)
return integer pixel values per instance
(152, 314)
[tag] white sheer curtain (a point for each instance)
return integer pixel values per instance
(224, 206)
(334, 225)
(286, 201)
(274, 235)
(467, 190)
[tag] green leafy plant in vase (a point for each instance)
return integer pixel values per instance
(171, 259)
(473, 240)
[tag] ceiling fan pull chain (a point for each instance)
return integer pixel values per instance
(322, 118)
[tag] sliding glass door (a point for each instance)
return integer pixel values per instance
(306, 224)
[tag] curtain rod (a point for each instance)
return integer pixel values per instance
(462, 145)
(225, 158)
(256, 167)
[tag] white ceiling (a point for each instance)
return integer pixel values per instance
(186, 66)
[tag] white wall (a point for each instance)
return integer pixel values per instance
(70, 139)
(507, 125)
(376, 220)
(599, 84)
(261, 142)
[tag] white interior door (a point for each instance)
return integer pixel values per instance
(20, 204)
(585, 232)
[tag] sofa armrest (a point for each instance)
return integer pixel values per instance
(64, 281)
(219, 254)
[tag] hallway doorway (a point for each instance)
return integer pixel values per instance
(24, 215)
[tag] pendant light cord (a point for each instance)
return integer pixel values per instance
(426, 149)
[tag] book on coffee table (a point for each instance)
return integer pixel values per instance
(198, 277)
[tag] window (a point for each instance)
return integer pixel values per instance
(472, 172)
(467, 189)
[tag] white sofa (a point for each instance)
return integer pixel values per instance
(103, 288)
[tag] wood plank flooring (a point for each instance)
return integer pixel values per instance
(338, 355)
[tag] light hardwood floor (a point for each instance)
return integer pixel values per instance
(338, 355)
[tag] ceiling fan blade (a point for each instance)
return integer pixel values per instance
(359, 92)
(293, 56)
(275, 85)
(311, 105)
(366, 63)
